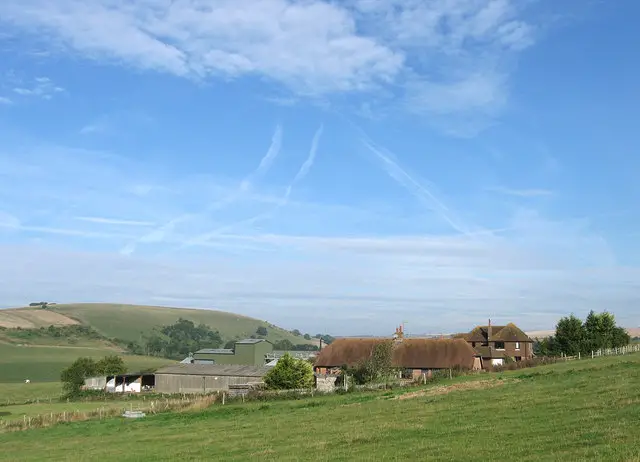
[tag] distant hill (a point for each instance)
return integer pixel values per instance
(131, 322)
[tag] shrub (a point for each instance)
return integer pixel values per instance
(290, 374)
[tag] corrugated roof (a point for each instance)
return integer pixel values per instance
(251, 341)
(214, 370)
(215, 351)
(409, 353)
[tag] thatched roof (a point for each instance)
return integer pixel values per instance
(508, 333)
(408, 353)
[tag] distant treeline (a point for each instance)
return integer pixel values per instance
(72, 334)
(178, 340)
(573, 336)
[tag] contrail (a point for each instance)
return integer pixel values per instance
(408, 182)
(302, 173)
(159, 234)
(306, 166)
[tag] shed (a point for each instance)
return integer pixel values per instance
(206, 378)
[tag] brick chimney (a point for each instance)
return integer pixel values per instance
(489, 331)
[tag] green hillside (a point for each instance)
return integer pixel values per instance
(130, 322)
(44, 363)
(578, 410)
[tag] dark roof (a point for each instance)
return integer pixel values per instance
(508, 333)
(486, 352)
(215, 351)
(251, 341)
(408, 353)
(214, 370)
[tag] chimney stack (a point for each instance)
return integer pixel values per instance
(489, 331)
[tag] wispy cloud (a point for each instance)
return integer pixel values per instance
(439, 58)
(114, 221)
(308, 163)
(313, 256)
(416, 188)
(162, 232)
(4, 100)
(522, 192)
(282, 202)
(41, 87)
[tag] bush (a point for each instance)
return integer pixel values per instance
(73, 377)
(290, 374)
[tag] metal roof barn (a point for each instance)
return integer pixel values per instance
(206, 378)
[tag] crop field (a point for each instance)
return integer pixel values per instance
(578, 410)
(44, 363)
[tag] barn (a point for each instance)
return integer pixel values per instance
(206, 378)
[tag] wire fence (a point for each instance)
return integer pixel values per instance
(633, 348)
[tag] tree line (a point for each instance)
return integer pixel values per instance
(177, 340)
(573, 336)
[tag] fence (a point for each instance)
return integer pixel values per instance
(633, 348)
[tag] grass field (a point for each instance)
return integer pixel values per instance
(23, 392)
(129, 322)
(44, 363)
(579, 410)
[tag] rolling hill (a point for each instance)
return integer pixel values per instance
(131, 322)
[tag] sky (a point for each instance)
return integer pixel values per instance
(330, 166)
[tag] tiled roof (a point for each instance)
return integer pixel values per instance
(508, 333)
(408, 353)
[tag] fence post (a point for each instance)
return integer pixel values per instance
(591, 354)
(578, 355)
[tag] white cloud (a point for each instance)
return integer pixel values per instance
(42, 87)
(445, 56)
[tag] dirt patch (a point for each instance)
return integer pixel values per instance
(443, 390)
(33, 319)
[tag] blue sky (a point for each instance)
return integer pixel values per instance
(329, 166)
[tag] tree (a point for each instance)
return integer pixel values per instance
(230, 345)
(290, 374)
(296, 332)
(283, 345)
(261, 331)
(73, 377)
(378, 367)
(307, 337)
(111, 365)
(570, 335)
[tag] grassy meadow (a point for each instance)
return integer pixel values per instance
(579, 410)
(130, 322)
(44, 363)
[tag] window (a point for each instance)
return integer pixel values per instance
(499, 345)
(517, 345)
(473, 344)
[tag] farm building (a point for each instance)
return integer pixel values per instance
(419, 355)
(133, 382)
(494, 344)
(248, 352)
(205, 378)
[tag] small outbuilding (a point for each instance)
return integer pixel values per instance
(206, 378)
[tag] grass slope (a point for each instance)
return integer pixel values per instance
(44, 363)
(127, 322)
(581, 410)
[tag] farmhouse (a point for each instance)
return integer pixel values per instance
(494, 344)
(206, 378)
(418, 355)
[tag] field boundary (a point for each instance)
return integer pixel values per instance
(634, 348)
